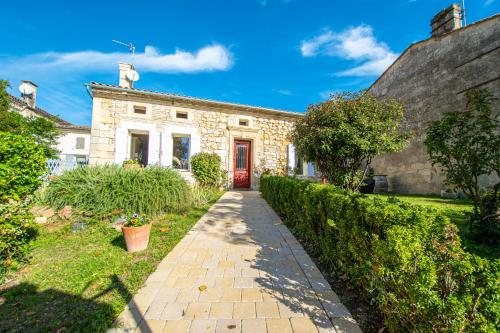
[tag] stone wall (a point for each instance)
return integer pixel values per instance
(430, 78)
(216, 127)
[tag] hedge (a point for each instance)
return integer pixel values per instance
(206, 169)
(406, 258)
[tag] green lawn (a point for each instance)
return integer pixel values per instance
(455, 209)
(80, 281)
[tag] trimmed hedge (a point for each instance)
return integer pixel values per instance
(406, 258)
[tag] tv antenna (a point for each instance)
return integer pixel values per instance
(130, 46)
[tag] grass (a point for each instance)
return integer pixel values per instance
(80, 281)
(456, 210)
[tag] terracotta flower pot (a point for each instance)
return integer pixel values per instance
(137, 238)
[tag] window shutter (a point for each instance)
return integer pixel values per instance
(310, 169)
(291, 158)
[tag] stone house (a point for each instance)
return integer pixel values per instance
(73, 144)
(431, 77)
(165, 129)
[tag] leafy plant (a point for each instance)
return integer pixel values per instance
(135, 220)
(131, 162)
(342, 134)
(406, 258)
(104, 189)
(41, 130)
(22, 165)
(206, 169)
(465, 145)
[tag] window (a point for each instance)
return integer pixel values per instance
(139, 145)
(139, 109)
(299, 165)
(180, 155)
(181, 115)
(80, 143)
(81, 159)
(243, 122)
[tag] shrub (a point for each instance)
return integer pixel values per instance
(465, 145)
(343, 134)
(406, 258)
(103, 189)
(17, 230)
(206, 169)
(22, 165)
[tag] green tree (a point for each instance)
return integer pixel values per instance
(342, 134)
(466, 146)
(42, 130)
(206, 169)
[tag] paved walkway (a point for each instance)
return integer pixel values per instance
(238, 270)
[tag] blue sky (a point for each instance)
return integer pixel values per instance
(284, 54)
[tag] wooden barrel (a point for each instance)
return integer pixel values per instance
(381, 184)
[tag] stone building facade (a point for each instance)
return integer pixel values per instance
(431, 77)
(173, 128)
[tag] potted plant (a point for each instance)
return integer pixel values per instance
(136, 230)
(132, 164)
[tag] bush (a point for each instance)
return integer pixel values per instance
(17, 230)
(22, 165)
(103, 189)
(406, 258)
(206, 169)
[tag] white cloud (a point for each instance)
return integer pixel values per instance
(357, 44)
(210, 58)
(285, 92)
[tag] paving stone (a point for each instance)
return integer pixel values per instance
(303, 325)
(251, 295)
(177, 326)
(151, 326)
(278, 325)
(187, 295)
(253, 326)
(244, 311)
(335, 310)
(197, 311)
(267, 310)
(346, 325)
(289, 310)
(243, 282)
(222, 310)
(228, 326)
(224, 282)
(174, 311)
(230, 295)
(203, 326)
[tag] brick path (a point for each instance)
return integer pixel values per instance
(258, 278)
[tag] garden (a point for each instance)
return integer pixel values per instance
(67, 262)
(418, 263)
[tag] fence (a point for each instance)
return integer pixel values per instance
(56, 167)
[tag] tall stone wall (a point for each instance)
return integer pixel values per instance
(430, 78)
(217, 129)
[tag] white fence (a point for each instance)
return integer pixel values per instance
(56, 167)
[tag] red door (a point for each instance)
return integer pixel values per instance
(242, 164)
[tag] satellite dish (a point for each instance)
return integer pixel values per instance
(132, 75)
(25, 89)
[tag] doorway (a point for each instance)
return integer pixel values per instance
(242, 164)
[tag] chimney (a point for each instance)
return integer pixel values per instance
(447, 20)
(30, 99)
(124, 81)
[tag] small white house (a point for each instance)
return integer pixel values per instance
(73, 144)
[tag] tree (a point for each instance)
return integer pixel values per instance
(466, 146)
(342, 134)
(42, 130)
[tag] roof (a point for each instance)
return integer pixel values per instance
(41, 112)
(183, 98)
(60, 123)
(428, 40)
